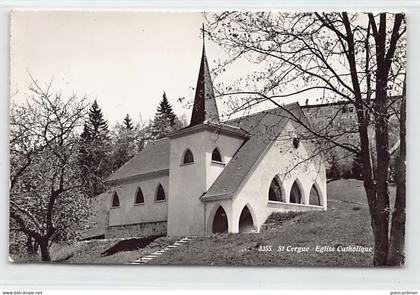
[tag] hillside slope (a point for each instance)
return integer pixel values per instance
(345, 223)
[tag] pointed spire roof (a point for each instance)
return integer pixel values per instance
(205, 107)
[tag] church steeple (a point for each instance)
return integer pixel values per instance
(205, 107)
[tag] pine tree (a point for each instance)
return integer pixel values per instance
(98, 127)
(165, 120)
(127, 123)
(85, 136)
(94, 151)
(124, 145)
(165, 109)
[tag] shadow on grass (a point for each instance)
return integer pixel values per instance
(129, 245)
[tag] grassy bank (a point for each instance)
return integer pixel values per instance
(345, 223)
(333, 228)
(287, 240)
(94, 251)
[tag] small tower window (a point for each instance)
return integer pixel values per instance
(188, 157)
(139, 196)
(115, 200)
(296, 142)
(215, 156)
(160, 193)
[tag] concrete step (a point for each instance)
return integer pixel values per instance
(149, 257)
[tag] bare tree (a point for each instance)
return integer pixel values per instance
(46, 200)
(359, 58)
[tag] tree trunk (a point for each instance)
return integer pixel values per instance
(397, 243)
(380, 232)
(379, 224)
(29, 246)
(381, 208)
(45, 251)
(379, 220)
(36, 246)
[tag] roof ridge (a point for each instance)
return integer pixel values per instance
(160, 139)
(244, 160)
(263, 111)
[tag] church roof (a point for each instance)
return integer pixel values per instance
(205, 107)
(221, 128)
(154, 158)
(263, 128)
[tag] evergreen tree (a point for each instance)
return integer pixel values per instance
(165, 120)
(127, 140)
(98, 127)
(86, 133)
(165, 109)
(127, 123)
(94, 151)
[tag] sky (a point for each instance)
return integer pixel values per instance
(124, 59)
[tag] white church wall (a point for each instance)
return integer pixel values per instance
(130, 213)
(279, 160)
(188, 182)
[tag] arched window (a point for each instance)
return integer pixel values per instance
(115, 200)
(139, 196)
(295, 194)
(314, 198)
(246, 223)
(216, 156)
(275, 192)
(220, 221)
(296, 142)
(160, 193)
(188, 157)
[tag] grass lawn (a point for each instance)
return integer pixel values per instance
(331, 228)
(90, 252)
(345, 223)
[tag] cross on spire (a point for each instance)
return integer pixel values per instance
(203, 33)
(205, 107)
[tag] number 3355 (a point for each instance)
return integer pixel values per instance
(264, 248)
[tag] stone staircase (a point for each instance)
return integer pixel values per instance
(148, 258)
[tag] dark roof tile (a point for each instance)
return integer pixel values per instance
(205, 107)
(154, 157)
(263, 128)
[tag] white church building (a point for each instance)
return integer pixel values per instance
(213, 176)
